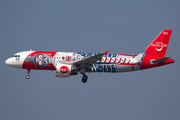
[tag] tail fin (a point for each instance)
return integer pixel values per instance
(159, 46)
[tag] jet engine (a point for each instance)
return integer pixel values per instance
(63, 70)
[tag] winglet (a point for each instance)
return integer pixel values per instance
(106, 52)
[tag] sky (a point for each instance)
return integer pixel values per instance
(120, 26)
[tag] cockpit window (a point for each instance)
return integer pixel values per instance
(16, 56)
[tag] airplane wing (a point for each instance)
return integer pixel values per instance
(90, 60)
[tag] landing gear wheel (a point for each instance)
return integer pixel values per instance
(84, 78)
(27, 76)
(28, 72)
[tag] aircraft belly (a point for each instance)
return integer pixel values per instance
(113, 68)
(127, 68)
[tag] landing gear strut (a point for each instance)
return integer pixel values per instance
(27, 76)
(84, 78)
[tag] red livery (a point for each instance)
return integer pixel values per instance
(66, 64)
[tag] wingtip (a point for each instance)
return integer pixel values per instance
(106, 52)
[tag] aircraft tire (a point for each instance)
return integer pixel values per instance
(27, 77)
(84, 78)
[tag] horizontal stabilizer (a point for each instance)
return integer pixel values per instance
(159, 60)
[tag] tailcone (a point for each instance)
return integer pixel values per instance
(148, 64)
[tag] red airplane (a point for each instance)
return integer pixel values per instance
(66, 64)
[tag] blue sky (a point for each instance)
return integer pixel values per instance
(124, 27)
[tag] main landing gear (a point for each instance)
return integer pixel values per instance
(84, 78)
(28, 72)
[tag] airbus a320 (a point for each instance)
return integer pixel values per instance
(66, 64)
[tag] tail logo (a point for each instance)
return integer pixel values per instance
(159, 45)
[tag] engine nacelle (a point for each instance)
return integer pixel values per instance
(63, 70)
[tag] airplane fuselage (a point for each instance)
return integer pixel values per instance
(43, 60)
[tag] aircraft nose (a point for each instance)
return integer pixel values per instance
(12, 62)
(8, 62)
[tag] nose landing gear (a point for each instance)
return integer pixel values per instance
(27, 76)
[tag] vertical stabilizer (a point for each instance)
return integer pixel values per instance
(159, 46)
